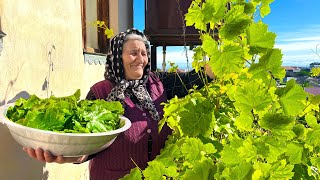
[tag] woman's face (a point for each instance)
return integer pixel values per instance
(135, 58)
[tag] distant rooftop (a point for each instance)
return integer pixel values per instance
(313, 90)
(288, 68)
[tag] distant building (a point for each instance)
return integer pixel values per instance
(291, 71)
(292, 68)
(314, 65)
(286, 79)
(312, 90)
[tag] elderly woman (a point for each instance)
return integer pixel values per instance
(128, 79)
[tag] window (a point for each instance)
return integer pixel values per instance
(93, 39)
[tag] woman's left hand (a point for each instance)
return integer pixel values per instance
(208, 70)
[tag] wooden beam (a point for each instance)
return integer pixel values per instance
(153, 58)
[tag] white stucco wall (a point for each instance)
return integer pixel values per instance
(43, 43)
(42, 55)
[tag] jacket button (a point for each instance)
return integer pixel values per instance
(144, 114)
(149, 131)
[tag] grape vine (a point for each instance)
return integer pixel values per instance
(241, 125)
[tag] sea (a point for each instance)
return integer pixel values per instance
(181, 66)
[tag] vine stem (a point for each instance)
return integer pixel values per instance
(135, 164)
(183, 33)
(182, 81)
(316, 51)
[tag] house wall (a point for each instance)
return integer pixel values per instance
(121, 15)
(42, 55)
(125, 14)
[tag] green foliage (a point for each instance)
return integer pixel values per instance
(102, 25)
(315, 71)
(67, 114)
(173, 67)
(241, 125)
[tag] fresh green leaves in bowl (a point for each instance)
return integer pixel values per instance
(67, 114)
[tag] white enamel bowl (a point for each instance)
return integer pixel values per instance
(66, 144)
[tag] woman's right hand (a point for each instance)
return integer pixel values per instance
(46, 156)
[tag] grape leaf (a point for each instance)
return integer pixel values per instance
(194, 150)
(244, 121)
(311, 120)
(195, 17)
(292, 98)
(201, 170)
(67, 114)
(208, 11)
(313, 137)
(230, 156)
(259, 38)
(262, 170)
(235, 22)
(279, 124)
(301, 172)
(299, 131)
(219, 10)
(252, 95)
(275, 148)
(169, 154)
(135, 174)
(241, 171)
(209, 45)
(269, 64)
(247, 152)
(157, 170)
(315, 161)
(197, 117)
(230, 60)
(261, 146)
(265, 7)
(281, 170)
(294, 151)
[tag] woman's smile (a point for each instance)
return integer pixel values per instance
(134, 59)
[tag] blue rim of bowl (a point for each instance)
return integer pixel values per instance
(6, 121)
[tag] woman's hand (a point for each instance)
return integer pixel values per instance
(46, 156)
(208, 70)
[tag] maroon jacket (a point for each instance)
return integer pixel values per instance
(131, 145)
(134, 144)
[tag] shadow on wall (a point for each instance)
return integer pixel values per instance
(22, 94)
(50, 56)
(18, 164)
(45, 86)
(14, 162)
(10, 85)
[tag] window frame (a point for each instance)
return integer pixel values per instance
(102, 15)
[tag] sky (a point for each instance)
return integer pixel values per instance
(296, 23)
